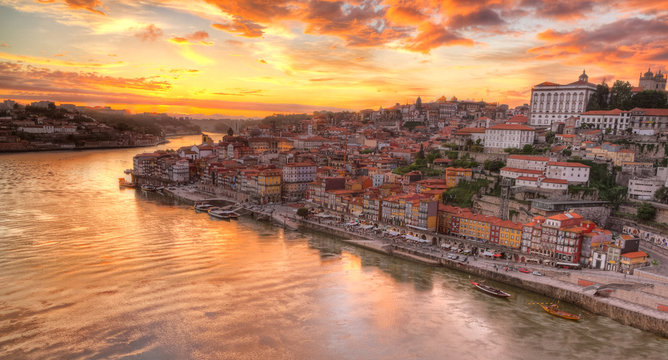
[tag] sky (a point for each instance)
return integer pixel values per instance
(259, 57)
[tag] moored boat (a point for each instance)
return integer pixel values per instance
(490, 290)
(554, 310)
(219, 213)
(147, 187)
(122, 183)
(203, 207)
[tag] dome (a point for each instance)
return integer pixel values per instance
(649, 73)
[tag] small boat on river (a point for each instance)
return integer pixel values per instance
(218, 213)
(490, 290)
(203, 207)
(554, 310)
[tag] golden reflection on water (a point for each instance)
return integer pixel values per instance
(90, 271)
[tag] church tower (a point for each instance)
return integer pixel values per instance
(584, 77)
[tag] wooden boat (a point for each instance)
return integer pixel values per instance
(490, 290)
(203, 207)
(554, 310)
(219, 213)
(122, 183)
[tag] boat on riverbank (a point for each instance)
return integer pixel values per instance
(203, 207)
(490, 290)
(219, 213)
(124, 184)
(553, 309)
(147, 187)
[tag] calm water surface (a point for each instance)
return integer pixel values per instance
(89, 271)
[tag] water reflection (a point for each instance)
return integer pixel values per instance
(89, 271)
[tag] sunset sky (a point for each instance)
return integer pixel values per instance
(257, 57)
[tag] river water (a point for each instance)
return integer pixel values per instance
(89, 271)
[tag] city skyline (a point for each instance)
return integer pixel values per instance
(255, 58)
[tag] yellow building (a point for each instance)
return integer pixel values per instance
(454, 175)
(510, 234)
(269, 185)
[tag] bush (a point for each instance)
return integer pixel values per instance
(645, 212)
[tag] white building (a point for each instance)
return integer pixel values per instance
(616, 120)
(648, 121)
(509, 136)
(514, 173)
(528, 162)
(552, 102)
(296, 177)
(542, 183)
(570, 171)
(644, 189)
(181, 171)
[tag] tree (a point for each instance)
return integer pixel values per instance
(549, 136)
(493, 165)
(649, 99)
(645, 211)
(661, 195)
(567, 152)
(599, 99)
(303, 212)
(420, 154)
(620, 95)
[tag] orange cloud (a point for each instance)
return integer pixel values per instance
(149, 33)
(89, 5)
(241, 27)
(31, 78)
(432, 36)
(196, 37)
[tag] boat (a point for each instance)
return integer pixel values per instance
(123, 184)
(554, 310)
(233, 215)
(147, 187)
(203, 207)
(218, 213)
(490, 290)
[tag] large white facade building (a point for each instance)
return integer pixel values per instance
(509, 136)
(616, 120)
(644, 189)
(571, 171)
(552, 102)
(529, 162)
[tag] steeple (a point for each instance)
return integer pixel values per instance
(584, 77)
(418, 103)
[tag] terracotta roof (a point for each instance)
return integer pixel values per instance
(568, 136)
(524, 171)
(511, 127)
(529, 157)
(603, 112)
(555, 181)
(548, 83)
(565, 216)
(635, 254)
(470, 130)
(567, 164)
(527, 178)
(653, 112)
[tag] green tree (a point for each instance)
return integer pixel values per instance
(493, 165)
(649, 99)
(303, 212)
(549, 137)
(599, 100)
(620, 95)
(420, 154)
(661, 195)
(645, 211)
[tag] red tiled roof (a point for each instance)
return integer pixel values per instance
(511, 127)
(555, 181)
(568, 136)
(470, 130)
(635, 254)
(603, 112)
(529, 157)
(548, 83)
(652, 112)
(527, 178)
(524, 171)
(567, 164)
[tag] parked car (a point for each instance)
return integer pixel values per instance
(524, 270)
(537, 273)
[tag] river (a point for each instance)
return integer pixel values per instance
(89, 271)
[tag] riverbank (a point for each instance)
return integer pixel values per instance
(630, 305)
(81, 148)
